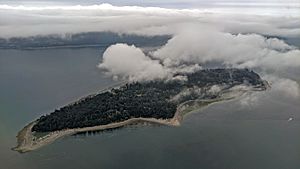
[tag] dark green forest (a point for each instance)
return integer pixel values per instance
(152, 99)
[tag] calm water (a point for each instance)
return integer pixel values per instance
(223, 136)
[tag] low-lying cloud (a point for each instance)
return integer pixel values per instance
(284, 87)
(233, 38)
(128, 62)
(251, 50)
(189, 50)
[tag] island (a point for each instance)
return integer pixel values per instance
(163, 102)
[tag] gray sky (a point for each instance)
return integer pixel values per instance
(158, 3)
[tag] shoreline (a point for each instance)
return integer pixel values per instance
(27, 141)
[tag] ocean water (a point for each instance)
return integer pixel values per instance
(228, 135)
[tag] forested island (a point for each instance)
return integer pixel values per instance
(154, 99)
(159, 101)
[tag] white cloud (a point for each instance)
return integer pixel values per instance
(131, 63)
(202, 44)
(250, 99)
(35, 20)
(197, 45)
(283, 87)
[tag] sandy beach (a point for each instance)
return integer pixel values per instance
(28, 142)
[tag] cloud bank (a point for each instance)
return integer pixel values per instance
(43, 20)
(189, 50)
(203, 45)
(228, 35)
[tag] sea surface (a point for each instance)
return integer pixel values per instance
(259, 131)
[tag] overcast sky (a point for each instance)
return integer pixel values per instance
(159, 3)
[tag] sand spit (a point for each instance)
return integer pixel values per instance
(28, 142)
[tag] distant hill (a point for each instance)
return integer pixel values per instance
(80, 40)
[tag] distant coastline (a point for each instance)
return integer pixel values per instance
(79, 40)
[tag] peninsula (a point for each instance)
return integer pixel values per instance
(161, 101)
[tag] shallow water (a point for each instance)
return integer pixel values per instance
(226, 135)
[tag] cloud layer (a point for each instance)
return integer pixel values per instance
(228, 35)
(34, 20)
